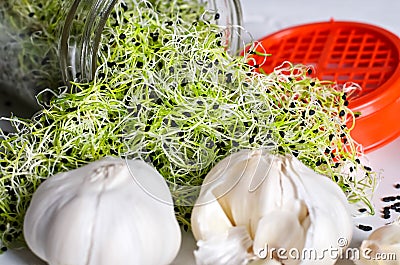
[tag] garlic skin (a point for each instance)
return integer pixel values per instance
(111, 211)
(382, 246)
(253, 201)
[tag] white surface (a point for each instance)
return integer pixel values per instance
(262, 17)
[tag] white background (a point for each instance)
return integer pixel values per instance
(262, 17)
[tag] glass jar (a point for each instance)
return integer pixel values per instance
(49, 49)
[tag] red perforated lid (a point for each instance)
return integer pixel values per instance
(343, 52)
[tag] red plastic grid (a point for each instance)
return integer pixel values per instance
(340, 52)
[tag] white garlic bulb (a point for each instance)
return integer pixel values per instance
(382, 247)
(111, 211)
(253, 201)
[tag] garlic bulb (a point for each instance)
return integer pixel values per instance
(254, 202)
(382, 246)
(111, 211)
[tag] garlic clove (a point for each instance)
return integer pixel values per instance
(382, 246)
(331, 224)
(280, 202)
(211, 218)
(227, 249)
(111, 211)
(280, 229)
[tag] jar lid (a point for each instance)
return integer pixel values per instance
(343, 51)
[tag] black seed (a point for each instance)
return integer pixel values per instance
(111, 64)
(331, 137)
(2, 227)
(31, 14)
(362, 210)
(187, 114)
(282, 134)
(124, 7)
(139, 64)
(312, 83)
(357, 161)
(251, 139)
(397, 186)
(122, 36)
(318, 163)
(311, 112)
(3, 249)
(386, 209)
(389, 199)
(367, 168)
(344, 96)
(173, 123)
(280, 149)
(147, 128)
(221, 145)
(336, 178)
(217, 16)
(315, 131)
(364, 227)
(342, 113)
(9, 237)
(327, 150)
(309, 71)
(295, 153)
(171, 69)
(346, 103)
(386, 216)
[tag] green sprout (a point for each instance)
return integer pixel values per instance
(167, 91)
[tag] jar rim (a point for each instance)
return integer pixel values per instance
(79, 60)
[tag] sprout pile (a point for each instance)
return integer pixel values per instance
(167, 91)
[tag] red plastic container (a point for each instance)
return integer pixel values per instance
(348, 52)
